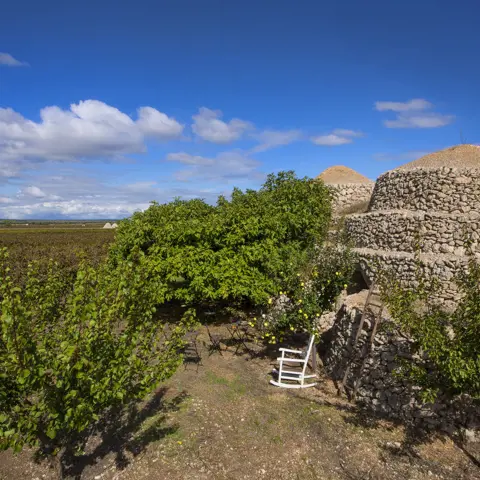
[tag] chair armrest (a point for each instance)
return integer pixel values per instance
(283, 359)
(300, 352)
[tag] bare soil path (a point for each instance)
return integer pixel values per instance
(221, 420)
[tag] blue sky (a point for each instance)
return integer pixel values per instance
(107, 105)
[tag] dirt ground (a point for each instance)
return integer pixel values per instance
(219, 418)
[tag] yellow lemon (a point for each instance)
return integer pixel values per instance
(300, 310)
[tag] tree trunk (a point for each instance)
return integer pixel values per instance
(59, 465)
(56, 462)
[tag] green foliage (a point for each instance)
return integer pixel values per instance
(71, 347)
(75, 342)
(312, 293)
(446, 344)
(240, 250)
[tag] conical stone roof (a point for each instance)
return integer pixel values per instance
(459, 156)
(339, 174)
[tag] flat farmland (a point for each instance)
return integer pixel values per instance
(66, 244)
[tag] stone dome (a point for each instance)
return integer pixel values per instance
(430, 207)
(350, 187)
(459, 156)
(339, 174)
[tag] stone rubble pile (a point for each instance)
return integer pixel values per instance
(380, 391)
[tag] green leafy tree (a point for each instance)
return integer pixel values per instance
(312, 293)
(241, 250)
(446, 344)
(69, 350)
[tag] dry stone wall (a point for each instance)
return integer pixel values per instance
(350, 194)
(429, 211)
(406, 231)
(379, 390)
(404, 267)
(450, 190)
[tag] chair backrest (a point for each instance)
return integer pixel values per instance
(308, 353)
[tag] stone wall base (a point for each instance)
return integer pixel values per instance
(381, 391)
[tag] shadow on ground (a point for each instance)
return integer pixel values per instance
(415, 435)
(125, 433)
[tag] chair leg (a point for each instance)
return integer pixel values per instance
(280, 368)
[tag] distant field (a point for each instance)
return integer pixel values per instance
(62, 243)
(45, 224)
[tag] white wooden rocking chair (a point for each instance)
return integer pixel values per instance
(291, 375)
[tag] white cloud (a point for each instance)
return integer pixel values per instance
(415, 104)
(275, 138)
(187, 159)
(89, 129)
(412, 114)
(33, 191)
(347, 133)
(158, 125)
(224, 167)
(430, 120)
(331, 140)
(339, 136)
(140, 187)
(7, 60)
(207, 125)
(70, 195)
(72, 209)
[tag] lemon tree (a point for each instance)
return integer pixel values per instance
(312, 293)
